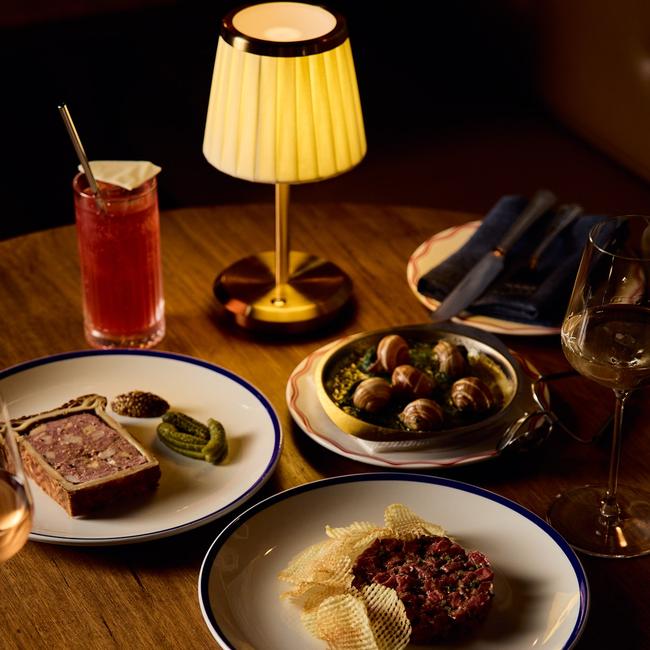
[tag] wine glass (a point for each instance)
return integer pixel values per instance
(16, 504)
(606, 338)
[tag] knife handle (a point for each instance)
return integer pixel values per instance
(537, 206)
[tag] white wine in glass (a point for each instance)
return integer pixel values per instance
(606, 338)
(15, 498)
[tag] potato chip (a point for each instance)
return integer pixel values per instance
(346, 618)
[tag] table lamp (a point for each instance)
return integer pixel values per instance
(284, 108)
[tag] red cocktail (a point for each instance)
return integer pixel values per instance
(119, 250)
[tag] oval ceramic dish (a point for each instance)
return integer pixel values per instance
(479, 345)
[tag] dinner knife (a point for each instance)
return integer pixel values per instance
(491, 264)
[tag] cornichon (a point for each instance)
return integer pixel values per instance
(168, 433)
(187, 424)
(185, 435)
(180, 450)
(217, 447)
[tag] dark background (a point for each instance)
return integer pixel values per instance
(453, 114)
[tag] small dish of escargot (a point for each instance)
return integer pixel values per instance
(416, 382)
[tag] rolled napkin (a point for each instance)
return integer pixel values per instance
(536, 297)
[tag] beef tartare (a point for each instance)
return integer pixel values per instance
(446, 591)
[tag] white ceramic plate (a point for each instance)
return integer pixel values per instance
(310, 416)
(437, 249)
(541, 592)
(191, 492)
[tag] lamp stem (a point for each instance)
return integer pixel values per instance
(281, 240)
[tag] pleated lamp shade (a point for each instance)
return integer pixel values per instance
(284, 104)
(284, 109)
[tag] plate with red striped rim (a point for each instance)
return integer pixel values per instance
(310, 416)
(438, 248)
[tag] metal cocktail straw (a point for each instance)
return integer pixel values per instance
(83, 159)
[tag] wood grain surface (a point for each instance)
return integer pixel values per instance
(145, 595)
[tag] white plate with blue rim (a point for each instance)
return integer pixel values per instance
(191, 492)
(541, 591)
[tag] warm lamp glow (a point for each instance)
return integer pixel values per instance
(284, 21)
(284, 119)
(284, 108)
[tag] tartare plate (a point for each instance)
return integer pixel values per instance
(437, 249)
(310, 416)
(191, 492)
(541, 591)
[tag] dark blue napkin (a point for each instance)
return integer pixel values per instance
(538, 297)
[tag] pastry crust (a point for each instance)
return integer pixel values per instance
(85, 497)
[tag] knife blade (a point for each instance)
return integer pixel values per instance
(481, 276)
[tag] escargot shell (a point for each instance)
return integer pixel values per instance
(392, 351)
(422, 415)
(372, 394)
(409, 380)
(471, 394)
(450, 359)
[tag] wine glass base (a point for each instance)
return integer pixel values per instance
(576, 516)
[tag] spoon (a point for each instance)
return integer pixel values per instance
(523, 436)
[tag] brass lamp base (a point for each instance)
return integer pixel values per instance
(316, 291)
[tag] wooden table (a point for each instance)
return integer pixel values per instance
(145, 595)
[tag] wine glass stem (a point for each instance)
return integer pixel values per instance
(609, 508)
